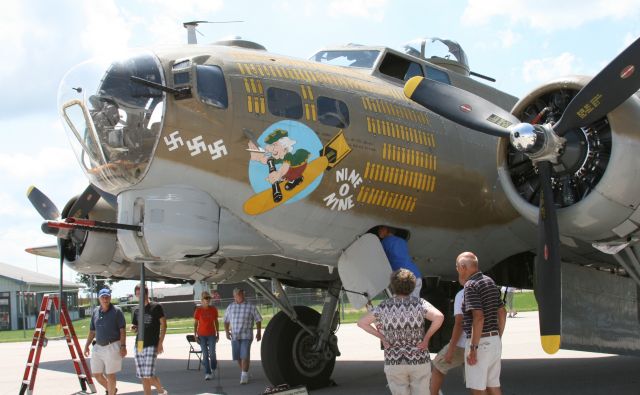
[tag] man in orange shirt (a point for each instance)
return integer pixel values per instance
(205, 328)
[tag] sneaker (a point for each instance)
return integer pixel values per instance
(207, 376)
(244, 378)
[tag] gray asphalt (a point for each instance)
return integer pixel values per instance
(526, 369)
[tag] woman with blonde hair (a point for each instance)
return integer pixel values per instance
(205, 329)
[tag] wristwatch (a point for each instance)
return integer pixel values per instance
(473, 347)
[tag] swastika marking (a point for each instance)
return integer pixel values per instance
(196, 145)
(217, 149)
(173, 141)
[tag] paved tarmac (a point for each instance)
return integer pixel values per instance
(526, 369)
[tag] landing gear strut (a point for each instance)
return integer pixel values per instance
(299, 346)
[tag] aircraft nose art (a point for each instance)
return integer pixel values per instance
(112, 119)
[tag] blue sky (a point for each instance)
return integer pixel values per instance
(520, 43)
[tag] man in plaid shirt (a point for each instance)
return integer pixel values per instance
(238, 324)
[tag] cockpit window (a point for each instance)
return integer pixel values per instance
(437, 75)
(398, 67)
(348, 58)
(211, 86)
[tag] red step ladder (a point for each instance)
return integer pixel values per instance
(39, 340)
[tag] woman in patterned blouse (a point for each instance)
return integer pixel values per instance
(399, 323)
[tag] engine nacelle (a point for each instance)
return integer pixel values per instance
(178, 222)
(93, 252)
(597, 181)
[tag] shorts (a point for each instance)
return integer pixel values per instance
(240, 349)
(146, 361)
(106, 359)
(457, 359)
(486, 372)
(408, 379)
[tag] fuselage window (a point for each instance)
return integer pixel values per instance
(211, 86)
(332, 112)
(437, 75)
(284, 103)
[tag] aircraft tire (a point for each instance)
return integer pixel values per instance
(285, 356)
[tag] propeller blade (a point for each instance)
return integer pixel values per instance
(607, 90)
(42, 204)
(548, 275)
(460, 106)
(48, 251)
(143, 295)
(109, 198)
(85, 202)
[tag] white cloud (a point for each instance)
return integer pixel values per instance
(47, 161)
(165, 26)
(106, 29)
(366, 9)
(628, 39)
(548, 15)
(13, 242)
(11, 207)
(508, 38)
(545, 69)
(189, 9)
(13, 28)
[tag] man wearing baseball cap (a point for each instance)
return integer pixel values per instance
(108, 328)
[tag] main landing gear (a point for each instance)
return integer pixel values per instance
(299, 346)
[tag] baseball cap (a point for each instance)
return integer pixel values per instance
(104, 291)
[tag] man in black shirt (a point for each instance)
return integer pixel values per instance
(155, 327)
(484, 320)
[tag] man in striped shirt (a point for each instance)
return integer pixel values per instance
(484, 320)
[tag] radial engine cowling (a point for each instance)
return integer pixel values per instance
(93, 252)
(597, 180)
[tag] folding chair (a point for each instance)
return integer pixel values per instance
(194, 350)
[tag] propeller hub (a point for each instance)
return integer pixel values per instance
(548, 147)
(523, 137)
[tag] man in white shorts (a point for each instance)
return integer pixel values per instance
(108, 328)
(483, 323)
(451, 355)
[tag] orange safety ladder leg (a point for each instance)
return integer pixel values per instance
(79, 362)
(37, 342)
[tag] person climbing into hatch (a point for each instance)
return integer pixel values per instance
(279, 150)
(397, 252)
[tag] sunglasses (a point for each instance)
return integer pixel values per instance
(207, 297)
